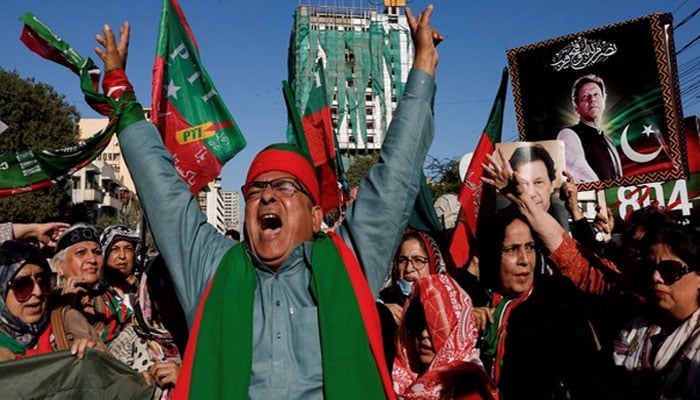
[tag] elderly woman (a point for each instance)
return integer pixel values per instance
(128, 334)
(27, 325)
(661, 352)
(418, 256)
(79, 262)
(436, 355)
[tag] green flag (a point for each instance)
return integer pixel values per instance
(195, 124)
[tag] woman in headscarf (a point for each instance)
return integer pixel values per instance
(418, 255)
(120, 248)
(436, 356)
(80, 266)
(27, 324)
(145, 345)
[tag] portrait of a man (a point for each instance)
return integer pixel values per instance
(590, 153)
(611, 95)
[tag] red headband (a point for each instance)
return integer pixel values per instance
(289, 161)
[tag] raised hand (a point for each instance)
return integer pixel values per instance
(569, 193)
(498, 173)
(425, 39)
(113, 53)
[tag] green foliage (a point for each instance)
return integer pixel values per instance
(37, 118)
(105, 221)
(443, 176)
(360, 168)
(50, 204)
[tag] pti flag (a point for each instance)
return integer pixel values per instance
(318, 129)
(471, 196)
(195, 124)
(316, 136)
(37, 169)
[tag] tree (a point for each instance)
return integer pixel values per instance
(443, 176)
(37, 118)
(360, 168)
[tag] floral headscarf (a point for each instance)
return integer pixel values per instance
(149, 325)
(13, 256)
(448, 313)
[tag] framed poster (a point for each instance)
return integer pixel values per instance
(612, 95)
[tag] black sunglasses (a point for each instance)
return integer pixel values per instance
(671, 270)
(23, 287)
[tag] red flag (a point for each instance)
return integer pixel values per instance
(471, 195)
(195, 124)
(318, 129)
(314, 134)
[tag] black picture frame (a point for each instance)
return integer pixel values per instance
(636, 59)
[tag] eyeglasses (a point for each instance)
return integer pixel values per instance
(417, 261)
(281, 187)
(23, 287)
(671, 270)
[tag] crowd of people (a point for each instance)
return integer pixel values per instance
(369, 309)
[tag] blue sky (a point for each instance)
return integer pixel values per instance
(243, 45)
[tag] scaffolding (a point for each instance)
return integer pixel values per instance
(366, 56)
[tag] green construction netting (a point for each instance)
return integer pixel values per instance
(355, 60)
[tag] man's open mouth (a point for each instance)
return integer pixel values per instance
(270, 221)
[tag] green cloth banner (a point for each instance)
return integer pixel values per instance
(61, 375)
(37, 169)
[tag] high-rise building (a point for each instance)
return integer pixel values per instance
(367, 55)
(232, 216)
(212, 204)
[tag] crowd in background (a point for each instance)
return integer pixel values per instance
(544, 309)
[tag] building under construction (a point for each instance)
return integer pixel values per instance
(367, 54)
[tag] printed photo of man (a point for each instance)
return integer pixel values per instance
(590, 154)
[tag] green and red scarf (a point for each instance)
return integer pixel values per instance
(33, 170)
(221, 339)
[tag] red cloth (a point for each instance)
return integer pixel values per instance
(453, 330)
(43, 345)
(115, 83)
(588, 271)
(289, 161)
